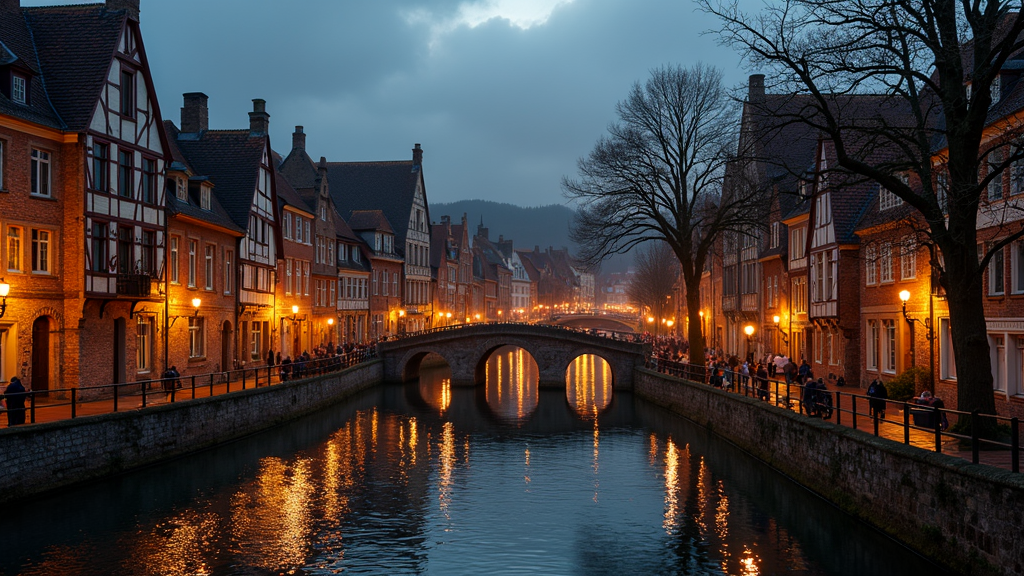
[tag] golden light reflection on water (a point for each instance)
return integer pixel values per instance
(435, 384)
(511, 387)
(446, 465)
(589, 384)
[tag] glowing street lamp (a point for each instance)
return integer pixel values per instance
(785, 338)
(749, 331)
(195, 304)
(5, 289)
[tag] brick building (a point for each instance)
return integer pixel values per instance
(385, 296)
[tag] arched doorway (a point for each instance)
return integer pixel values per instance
(226, 347)
(41, 354)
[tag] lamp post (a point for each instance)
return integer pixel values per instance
(5, 289)
(929, 334)
(749, 331)
(782, 334)
(702, 335)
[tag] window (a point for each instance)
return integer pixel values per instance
(996, 273)
(204, 197)
(40, 173)
(775, 235)
(13, 249)
(872, 345)
(228, 261)
(797, 244)
(306, 225)
(870, 265)
(995, 186)
(100, 247)
(18, 92)
(101, 167)
(394, 283)
(149, 180)
(288, 276)
(342, 253)
(356, 254)
(208, 271)
(148, 252)
(305, 270)
(385, 288)
(287, 226)
(180, 189)
(799, 294)
(127, 93)
(833, 348)
(816, 335)
(823, 209)
(323, 212)
(998, 343)
(40, 251)
(887, 199)
(889, 346)
(196, 337)
(125, 250)
(908, 260)
(885, 262)
(174, 260)
(256, 341)
(124, 173)
(192, 248)
(143, 343)
(376, 288)
(947, 361)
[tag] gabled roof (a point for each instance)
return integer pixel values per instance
(439, 241)
(343, 230)
(369, 220)
(389, 187)
(75, 47)
(190, 207)
(288, 196)
(299, 169)
(231, 158)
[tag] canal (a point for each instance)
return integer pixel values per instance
(426, 478)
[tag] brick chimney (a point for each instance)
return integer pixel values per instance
(298, 139)
(755, 88)
(195, 116)
(417, 156)
(321, 166)
(132, 6)
(259, 120)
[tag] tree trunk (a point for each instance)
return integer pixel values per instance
(968, 331)
(694, 333)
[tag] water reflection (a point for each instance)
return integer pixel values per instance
(393, 485)
(588, 383)
(435, 384)
(511, 388)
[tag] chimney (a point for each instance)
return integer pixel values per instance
(417, 156)
(298, 139)
(195, 116)
(259, 120)
(446, 220)
(321, 166)
(755, 88)
(132, 6)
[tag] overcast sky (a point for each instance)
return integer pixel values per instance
(503, 95)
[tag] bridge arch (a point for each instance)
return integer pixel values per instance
(410, 363)
(491, 345)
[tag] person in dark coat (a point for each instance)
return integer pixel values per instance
(789, 370)
(762, 382)
(878, 394)
(15, 395)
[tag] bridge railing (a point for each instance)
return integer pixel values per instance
(927, 426)
(49, 405)
(610, 334)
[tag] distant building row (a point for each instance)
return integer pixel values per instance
(131, 244)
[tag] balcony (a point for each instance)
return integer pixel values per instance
(749, 302)
(137, 285)
(729, 303)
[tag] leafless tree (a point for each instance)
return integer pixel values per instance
(657, 270)
(934, 62)
(658, 175)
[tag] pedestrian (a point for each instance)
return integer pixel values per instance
(762, 382)
(878, 394)
(789, 370)
(270, 358)
(167, 382)
(805, 370)
(15, 395)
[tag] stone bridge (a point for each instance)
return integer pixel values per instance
(467, 348)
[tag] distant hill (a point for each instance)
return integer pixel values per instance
(543, 226)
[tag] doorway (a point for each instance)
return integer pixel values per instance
(41, 354)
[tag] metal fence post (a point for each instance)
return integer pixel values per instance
(938, 430)
(116, 391)
(875, 420)
(906, 423)
(74, 402)
(143, 395)
(975, 443)
(31, 408)
(853, 399)
(839, 408)
(1014, 444)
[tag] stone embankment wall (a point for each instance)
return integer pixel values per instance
(42, 457)
(965, 516)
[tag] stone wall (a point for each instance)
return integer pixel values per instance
(51, 455)
(964, 515)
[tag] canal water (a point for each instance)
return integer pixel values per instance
(424, 478)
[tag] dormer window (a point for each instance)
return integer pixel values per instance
(355, 254)
(19, 89)
(179, 189)
(204, 198)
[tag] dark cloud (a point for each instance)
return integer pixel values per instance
(502, 112)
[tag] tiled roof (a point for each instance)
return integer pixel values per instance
(386, 186)
(299, 169)
(288, 196)
(75, 46)
(231, 158)
(370, 220)
(343, 230)
(438, 243)
(215, 215)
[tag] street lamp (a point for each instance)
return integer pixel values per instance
(701, 312)
(785, 338)
(927, 323)
(195, 304)
(5, 289)
(749, 331)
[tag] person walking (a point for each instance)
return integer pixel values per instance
(14, 395)
(878, 394)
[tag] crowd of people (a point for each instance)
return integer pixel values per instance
(324, 358)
